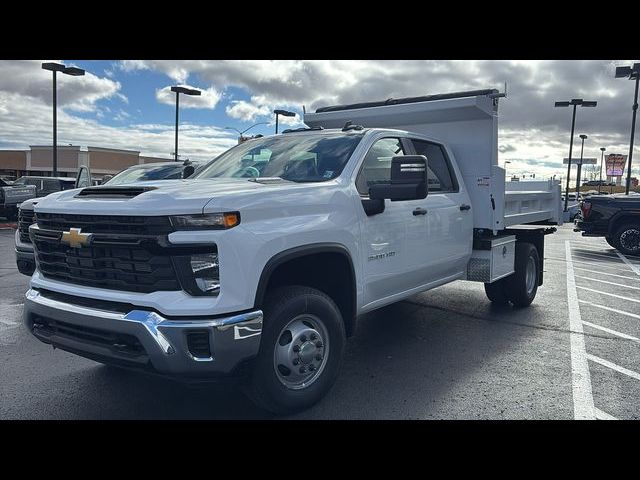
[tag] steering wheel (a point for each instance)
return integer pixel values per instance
(252, 171)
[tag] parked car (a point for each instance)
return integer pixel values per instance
(25, 258)
(614, 217)
(11, 195)
(261, 265)
(46, 185)
(154, 171)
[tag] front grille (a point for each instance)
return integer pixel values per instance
(120, 343)
(130, 268)
(25, 219)
(125, 253)
(113, 224)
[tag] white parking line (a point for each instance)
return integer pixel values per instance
(610, 283)
(613, 366)
(622, 312)
(600, 415)
(612, 332)
(609, 294)
(583, 407)
(629, 264)
(609, 274)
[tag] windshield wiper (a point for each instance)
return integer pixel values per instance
(268, 179)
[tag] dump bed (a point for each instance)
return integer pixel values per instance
(467, 123)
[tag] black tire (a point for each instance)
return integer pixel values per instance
(627, 239)
(496, 291)
(281, 306)
(517, 290)
(611, 242)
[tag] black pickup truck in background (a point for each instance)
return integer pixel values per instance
(11, 195)
(615, 217)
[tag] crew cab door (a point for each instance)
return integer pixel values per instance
(393, 241)
(448, 239)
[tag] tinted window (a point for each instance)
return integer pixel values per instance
(142, 173)
(50, 185)
(439, 173)
(376, 167)
(66, 185)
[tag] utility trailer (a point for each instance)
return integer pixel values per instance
(467, 123)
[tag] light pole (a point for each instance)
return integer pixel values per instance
(602, 149)
(583, 137)
(505, 168)
(575, 102)
(284, 113)
(241, 133)
(632, 73)
(186, 91)
(74, 72)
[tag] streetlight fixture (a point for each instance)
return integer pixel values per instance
(74, 72)
(632, 73)
(583, 137)
(186, 91)
(575, 102)
(602, 149)
(284, 113)
(505, 168)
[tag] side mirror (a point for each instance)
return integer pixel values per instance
(408, 180)
(188, 171)
(83, 179)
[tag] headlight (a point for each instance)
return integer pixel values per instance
(215, 221)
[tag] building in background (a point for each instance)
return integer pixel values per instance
(38, 160)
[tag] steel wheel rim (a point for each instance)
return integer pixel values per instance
(301, 351)
(630, 239)
(531, 275)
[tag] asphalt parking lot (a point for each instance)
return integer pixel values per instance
(445, 354)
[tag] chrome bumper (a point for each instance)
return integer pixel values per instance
(232, 339)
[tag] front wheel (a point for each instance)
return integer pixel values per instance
(301, 350)
(627, 239)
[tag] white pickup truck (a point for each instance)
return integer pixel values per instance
(260, 266)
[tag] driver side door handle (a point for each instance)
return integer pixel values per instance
(419, 211)
(464, 207)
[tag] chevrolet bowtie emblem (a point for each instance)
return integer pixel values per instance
(75, 238)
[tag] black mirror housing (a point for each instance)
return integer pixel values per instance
(408, 180)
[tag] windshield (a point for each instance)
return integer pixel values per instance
(298, 158)
(142, 173)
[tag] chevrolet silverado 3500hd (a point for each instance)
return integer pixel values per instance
(261, 264)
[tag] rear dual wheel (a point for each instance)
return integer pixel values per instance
(520, 287)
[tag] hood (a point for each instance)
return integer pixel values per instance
(161, 197)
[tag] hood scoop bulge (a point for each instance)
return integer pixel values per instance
(113, 192)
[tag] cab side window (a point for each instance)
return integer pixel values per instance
(376, 167)
(440, 176)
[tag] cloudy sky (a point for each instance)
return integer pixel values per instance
(127, 104)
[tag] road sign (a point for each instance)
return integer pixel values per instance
(585, 161)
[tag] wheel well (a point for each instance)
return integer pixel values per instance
(330, 272)
(622, 220)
